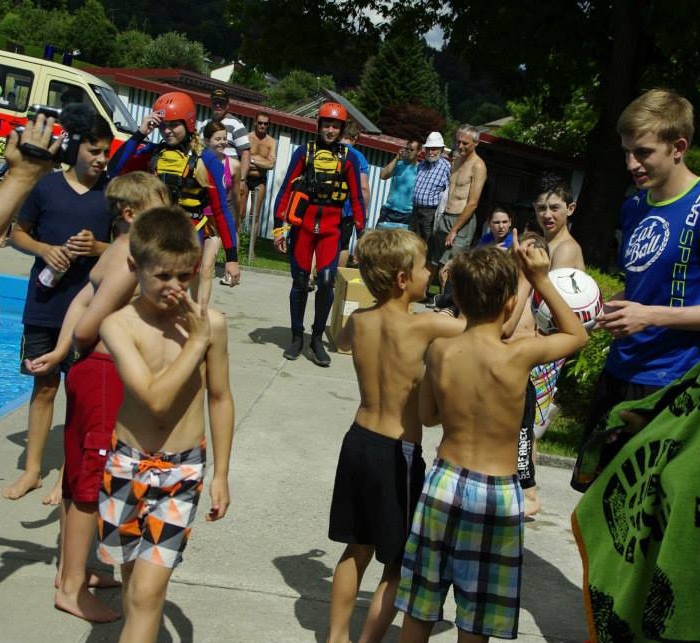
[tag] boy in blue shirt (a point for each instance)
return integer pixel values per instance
(655, 322)
(65, 223)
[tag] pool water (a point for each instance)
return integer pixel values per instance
(15, 388)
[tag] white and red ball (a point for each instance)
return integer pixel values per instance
(577, 289)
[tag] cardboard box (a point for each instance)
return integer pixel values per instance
(350, 294)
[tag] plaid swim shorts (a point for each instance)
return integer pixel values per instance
(147, 504)
(467, 532)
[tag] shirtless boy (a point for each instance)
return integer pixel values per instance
(479, 402)
(168, 352)
(455, 228)
(263, 152)
(93, 394)
(554, 204)
(380, 468)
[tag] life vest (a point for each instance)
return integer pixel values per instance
(175, 168)
(324, 177)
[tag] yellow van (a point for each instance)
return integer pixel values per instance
(26, 81)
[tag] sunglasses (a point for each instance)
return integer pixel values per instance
(219, 103)
(265, 123)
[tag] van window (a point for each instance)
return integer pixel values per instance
(61, 93)
(116, 109)
(15, 86)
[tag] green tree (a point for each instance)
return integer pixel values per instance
(173, 49)
(130, 49)
(93, 33)
(21, 22)
(321, 37)
(250, 77)
(532, 125)
(400, 75)
(296, 87)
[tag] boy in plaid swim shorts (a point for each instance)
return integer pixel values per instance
(467, 531)
(168, 352)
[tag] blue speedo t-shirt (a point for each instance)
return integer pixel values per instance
(403, 181)
(660, 253)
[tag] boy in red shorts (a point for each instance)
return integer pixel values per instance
(93, 394)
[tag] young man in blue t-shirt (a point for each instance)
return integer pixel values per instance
(402, 171)
(65, 224)
(655, 323)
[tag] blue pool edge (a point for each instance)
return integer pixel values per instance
(13, 291)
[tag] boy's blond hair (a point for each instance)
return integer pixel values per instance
(661, 112)
(134, 190)
(484, 279)
(383, 254)
(163, 234)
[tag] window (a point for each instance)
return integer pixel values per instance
(15, 86)
(61, 93)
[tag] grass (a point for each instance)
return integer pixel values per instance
(265, 255)
(562, 437)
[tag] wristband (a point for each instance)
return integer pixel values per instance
(231, 254)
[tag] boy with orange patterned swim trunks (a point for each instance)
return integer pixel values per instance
(168, 351)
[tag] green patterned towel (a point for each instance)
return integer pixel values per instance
(638, 524)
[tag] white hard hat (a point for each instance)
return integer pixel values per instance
(434, 140)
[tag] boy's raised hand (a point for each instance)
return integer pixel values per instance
(534, 261)
(193, 318)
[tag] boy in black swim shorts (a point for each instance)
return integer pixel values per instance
(380, 469)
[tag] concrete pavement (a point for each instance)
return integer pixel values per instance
(264, 572)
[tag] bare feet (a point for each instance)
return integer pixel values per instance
(96, 580)
(85, 606)
(532, 502)
(54, 496)
(27, 482)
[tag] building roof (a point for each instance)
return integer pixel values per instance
(310, 109)
(183, 79)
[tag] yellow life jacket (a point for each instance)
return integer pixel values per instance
(324, 178)
(175, 168)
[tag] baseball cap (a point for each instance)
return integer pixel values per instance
(220, 94)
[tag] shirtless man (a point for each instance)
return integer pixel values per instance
(455, 228)
(263, 152)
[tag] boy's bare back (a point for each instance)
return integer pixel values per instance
(475, 383)
(388, 347)
(144, 346)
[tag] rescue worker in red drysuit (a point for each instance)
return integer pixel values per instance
(308, 210)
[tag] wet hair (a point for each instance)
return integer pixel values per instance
(539, 241)
(79, 119)
(552, 183)
(352, 130)
(162, 234)
(211, 128)
(660, 111)
(383, 254)
(135, 190)
(483, 280)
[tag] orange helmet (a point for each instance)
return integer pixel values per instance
(177, 106)
(333, 110)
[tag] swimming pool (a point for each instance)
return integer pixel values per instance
(15, 388)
